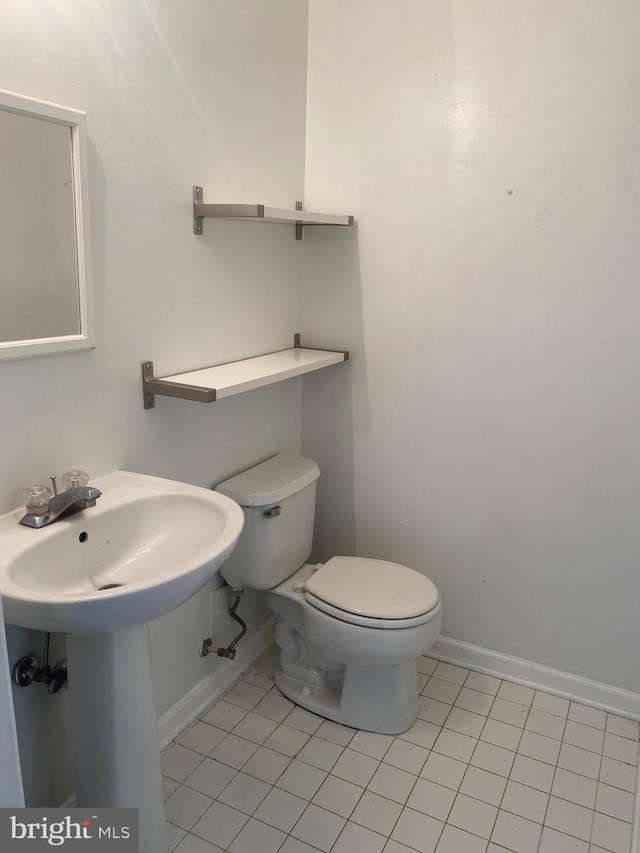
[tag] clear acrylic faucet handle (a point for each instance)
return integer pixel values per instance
(73, 479)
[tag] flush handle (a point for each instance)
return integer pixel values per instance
(272, 512)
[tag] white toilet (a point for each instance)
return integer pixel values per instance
(349, 630)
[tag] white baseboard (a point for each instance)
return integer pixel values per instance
(189, 708)
(612, 699)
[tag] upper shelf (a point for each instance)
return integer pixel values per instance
(225, 380)
(262, 213)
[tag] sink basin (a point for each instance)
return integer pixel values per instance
(145, 548)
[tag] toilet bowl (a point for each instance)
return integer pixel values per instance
(349, 630)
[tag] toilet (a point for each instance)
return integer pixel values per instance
(350, 630)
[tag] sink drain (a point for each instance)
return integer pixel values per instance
(109, 586)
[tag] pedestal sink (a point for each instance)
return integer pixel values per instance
(100, 576)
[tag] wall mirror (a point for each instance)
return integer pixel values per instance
(45, 271)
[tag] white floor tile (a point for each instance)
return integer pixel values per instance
(618, 774)
(473, 816)
(301, 779)
(210, 777)
(395, 847)
(220, 824)
(264, 681)
(588, 716)
(280, 809)
(320, 753)
(256, 835)
(184, 807)
(586, 737)
(338, 795)
(392, 783)
(444, 770)
(509, 712)
(432, 710)
(287, 741)
(612, 834)
(485, 786)
(427, 665)
(623, 727)
(303, 720)
(475, 701)
(174, 835)
(336, 733)
(484, 683)
(178, 762)
(201, 737)
(501, 734)
(422, 734)
(244, 793)
(378, 813)
(544, 723)
(516, 693)
(516, 833)
(355, 767)
(620, 748)
(294, 845)
(371, 744)
(449, 672)
(441, 691)
(224, 715)
(245, 695)
(465, 722)
(569, 818)
(168, 787)
(551, 704)
(495, 759)
(557, 842)
(540, 747)
(406, 756)
(233, 751)
(431, 799)
(455, 745)
(525, 801)
(575, 788)
(418, 831)
(266, 765)
(193, 844)
(614, 802)
(534, 773)
(358, 839)
(454, 840)
(579, 761)
(274, 706)
(255, 728)
(318, 827)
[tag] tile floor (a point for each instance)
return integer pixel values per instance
(489, 766)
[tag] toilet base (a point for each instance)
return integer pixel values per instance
(382, 699)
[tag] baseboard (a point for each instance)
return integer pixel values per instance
(612, 699)
(183, 713)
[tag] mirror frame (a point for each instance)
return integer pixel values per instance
(75, 120)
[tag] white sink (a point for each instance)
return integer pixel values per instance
(145, 548)
(159, 541)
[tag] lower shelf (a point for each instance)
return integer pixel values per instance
(214, 383)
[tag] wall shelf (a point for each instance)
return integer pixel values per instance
(214, 383)
(261, 213)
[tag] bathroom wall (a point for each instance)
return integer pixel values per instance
(208, 92)
(487, 433)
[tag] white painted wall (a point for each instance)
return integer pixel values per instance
(487, 433)
(208, 92)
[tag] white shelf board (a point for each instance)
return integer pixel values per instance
(225, 380)
(280, 215)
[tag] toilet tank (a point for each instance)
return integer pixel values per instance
(278, 498)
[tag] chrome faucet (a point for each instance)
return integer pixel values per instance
(43, 508)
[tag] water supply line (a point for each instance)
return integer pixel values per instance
(230, 651)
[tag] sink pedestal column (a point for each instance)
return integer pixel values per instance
(115, 728)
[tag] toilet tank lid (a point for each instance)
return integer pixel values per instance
(271, 481)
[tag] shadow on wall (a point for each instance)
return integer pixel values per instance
(335, 404)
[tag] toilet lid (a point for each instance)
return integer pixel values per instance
(372, 588)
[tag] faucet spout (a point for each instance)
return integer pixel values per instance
(63, 504)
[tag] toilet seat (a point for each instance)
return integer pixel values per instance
(373, 593)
